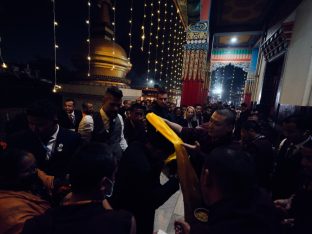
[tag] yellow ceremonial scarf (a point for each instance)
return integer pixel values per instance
(188, 178)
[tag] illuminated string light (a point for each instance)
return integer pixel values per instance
(130, 33)
(89, 38)
(143, 26)
(169, 53)
(56, 87)
(114, 31)
(150, 40)
(163, 44)
(156, 46)
(174, 61)
(3, 64)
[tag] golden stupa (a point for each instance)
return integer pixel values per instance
(109, 64)
(109, 61)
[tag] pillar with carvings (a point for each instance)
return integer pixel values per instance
(195, 64)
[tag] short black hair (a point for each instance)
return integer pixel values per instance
(69, 100)
(229, 116)
(114, 91)
(298, 120)
(90, 164)
(233, 170)
(126, 100)
(85, 106)
(135, 106)
(251, 125)
(43, 109)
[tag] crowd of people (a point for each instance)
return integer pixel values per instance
(98, 171)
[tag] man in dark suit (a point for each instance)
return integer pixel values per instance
(160, 107)
(69, 117)
(52, 145)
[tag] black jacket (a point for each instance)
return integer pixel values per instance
(66, 144)
(65, 121)
(138, 188)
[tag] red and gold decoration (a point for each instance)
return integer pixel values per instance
(195, 64)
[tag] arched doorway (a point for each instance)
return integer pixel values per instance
(227, 83)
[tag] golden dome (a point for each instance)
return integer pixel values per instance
(108, 59)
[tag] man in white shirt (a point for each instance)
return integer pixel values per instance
(86, 124)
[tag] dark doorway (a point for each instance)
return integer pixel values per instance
(271, 84)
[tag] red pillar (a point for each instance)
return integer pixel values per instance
(192, 92)
(247, 98)
(205, 9)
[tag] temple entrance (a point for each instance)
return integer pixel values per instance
(227, 84)
(270, 95)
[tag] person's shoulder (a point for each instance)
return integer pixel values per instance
(65, 131)
(69, 136)
(77, 112)
(97, 116)
(88, 118)
(120, 214)
(135, 146)
(120, 221)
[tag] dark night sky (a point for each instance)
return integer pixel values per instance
(26, 30)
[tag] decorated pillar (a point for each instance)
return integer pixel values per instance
(206, 83)
(195, 64)
(251, 77)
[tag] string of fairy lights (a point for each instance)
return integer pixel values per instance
(56, 87)
(130, 32)
(114, 31)
(156, 46)
(169, 46)
(150, 41)
(3, 64)
(163, 43)
(143, 26)
(88, 22)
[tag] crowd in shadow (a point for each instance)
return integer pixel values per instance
(98, 171)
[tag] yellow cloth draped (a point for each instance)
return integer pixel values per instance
(188, 178)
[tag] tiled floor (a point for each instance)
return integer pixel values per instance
(170, 211)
